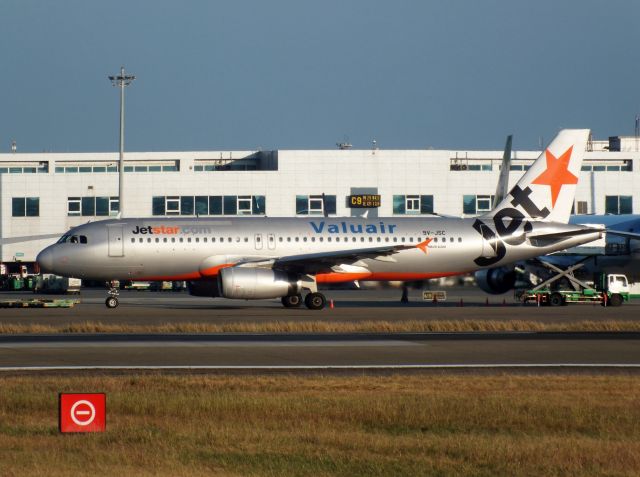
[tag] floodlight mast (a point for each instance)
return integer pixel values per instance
(121, 81)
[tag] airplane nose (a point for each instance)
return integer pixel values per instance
(45, 260)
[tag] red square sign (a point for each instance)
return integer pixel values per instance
(82, 412)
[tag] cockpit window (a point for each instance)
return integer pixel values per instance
(73, 239)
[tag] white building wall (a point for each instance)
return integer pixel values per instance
(392, 172)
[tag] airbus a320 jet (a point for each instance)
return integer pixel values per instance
(262, 258)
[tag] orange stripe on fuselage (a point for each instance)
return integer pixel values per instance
(320, 277)
(380, 276)
(207, 273)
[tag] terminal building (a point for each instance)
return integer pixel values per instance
(44, 194)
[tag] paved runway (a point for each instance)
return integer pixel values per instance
(320, 351)
(314, 351)
(152, 308)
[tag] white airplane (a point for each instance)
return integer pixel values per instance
(261, 258)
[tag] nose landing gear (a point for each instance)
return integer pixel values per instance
(112, 299)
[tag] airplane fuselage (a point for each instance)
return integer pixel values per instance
(197, 248)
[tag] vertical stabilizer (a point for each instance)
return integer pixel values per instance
(503, 181)
(547, 190)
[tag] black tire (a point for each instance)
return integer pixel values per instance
(292, 301)
(315, 301)
(556, 299)
(111, 302)
(616, 299)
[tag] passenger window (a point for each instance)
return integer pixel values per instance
(322, 239)
(386, 239)
(149, 240)
(354, 239)
(313, 239)
(189, 239)
(173, 239)
(362, 239)
(181, 239)
(378, 239)
(304, 239)
(459, 239)
(140, 239)
(133, 240)
(164, 240)
(157, 240)
(197, 239)
(297, 239)
(451, 239)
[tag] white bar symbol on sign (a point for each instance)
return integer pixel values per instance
(77, 415)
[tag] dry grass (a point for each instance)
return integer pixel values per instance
(327, 327)
(421, 424)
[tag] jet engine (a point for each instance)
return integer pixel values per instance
(496, 280)
(257, 283)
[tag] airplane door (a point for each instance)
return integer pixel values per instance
(116, 242)
(257, 241)
(271, 241)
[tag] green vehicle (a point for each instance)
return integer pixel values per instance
(608, 290)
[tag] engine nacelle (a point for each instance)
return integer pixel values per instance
(496, 280)
(204, 288)
(256, 283)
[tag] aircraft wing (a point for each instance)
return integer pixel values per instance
(311, 263)
(620, 233)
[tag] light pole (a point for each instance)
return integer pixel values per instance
(121, 81)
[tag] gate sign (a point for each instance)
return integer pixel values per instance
(82, 412)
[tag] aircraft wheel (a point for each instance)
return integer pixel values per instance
(556, 299)
(292, 301)
(616, 299)
(111, 302)
(315, 301)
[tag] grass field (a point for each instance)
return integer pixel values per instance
(377, 326)
(284, 425)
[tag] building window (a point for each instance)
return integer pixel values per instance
(580, 207)
(42, 168)
(475, 204)
(93, 206)
(25, 206)
(315, 204)
(209, 205)
(413, 204)
(618, 204)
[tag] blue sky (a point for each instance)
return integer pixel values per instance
(296, 74)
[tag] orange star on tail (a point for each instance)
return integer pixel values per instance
(556, 174)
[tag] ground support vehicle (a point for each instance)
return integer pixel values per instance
(608, 290)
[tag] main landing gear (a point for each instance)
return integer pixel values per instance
(313, 301)
(112, 299)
